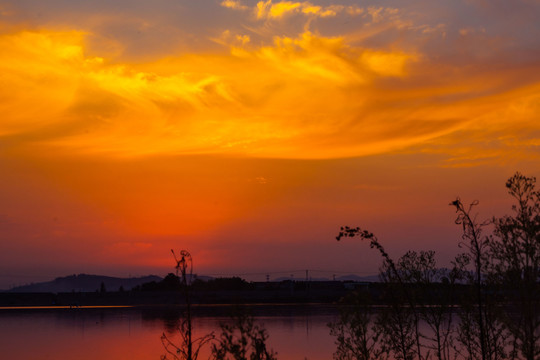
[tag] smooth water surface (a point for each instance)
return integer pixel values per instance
(296, 332)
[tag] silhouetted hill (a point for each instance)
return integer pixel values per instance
(86, 283)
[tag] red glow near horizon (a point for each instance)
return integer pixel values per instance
(249, 133)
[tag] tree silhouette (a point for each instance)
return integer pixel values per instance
(515, 248)
(498, 277)
(401, 332)
(189, 347)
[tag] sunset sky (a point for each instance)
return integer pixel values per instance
(248, 132)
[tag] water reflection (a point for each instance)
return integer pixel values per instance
(296, 332)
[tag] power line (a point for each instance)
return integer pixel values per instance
(287, 272)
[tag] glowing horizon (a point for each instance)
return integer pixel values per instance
(144, 125)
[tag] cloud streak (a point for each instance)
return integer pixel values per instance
(115, 108)
(268, 10)
(383, 87)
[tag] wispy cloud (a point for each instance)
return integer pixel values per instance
(268, 9)
(386, 85)
(233, 4)
(101, 107)
(251, 102)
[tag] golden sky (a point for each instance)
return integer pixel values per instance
(248, 131)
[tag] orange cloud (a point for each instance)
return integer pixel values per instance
(233, 4)
(300, 97)
(269, 10)
(30, 60)
(278, 10)
(132, 110)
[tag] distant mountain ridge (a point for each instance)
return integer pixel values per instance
(86, 283)
(91, 283)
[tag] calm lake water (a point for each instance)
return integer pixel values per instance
(296, 332)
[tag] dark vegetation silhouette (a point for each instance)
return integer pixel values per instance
(485, 307)
(172, 282)
(357, 335)
(228, 283)
(240, 340)
(189, 348)
(515, 249)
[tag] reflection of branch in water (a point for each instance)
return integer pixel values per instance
(189, 348)
(187, 351)
(242, 340)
